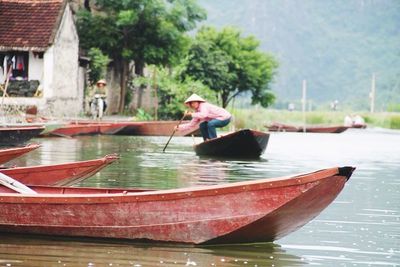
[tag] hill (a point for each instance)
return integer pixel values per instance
(335, 45)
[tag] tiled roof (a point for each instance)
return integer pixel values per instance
(29, 24)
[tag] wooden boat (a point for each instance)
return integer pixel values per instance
(250, 211)
(155, 128)
(359, 125)
(241, 144)
(325, 129)
(18, 135)
(8, 154)
(59, 174)
(280, 127)
(143, 128)
(70, 130)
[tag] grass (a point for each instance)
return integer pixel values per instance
(257, 118)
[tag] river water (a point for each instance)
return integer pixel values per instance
(360, 228)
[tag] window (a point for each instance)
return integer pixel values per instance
(16, 64)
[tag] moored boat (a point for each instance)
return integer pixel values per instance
(142, 128)
(326, 129)
(241, 144)
(18, 135)
(64, 174)
(70, 130)
(8, 154)
(250, 211)
(280, 127)
(155, 128)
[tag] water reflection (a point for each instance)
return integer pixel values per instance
(41, 251)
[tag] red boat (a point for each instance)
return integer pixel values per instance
(70, 130)
(325, 129)
(8, 154)
(280, 127)
(14, 135)
(143, 128)
(244, 144)
(251, 211)
(59, 174)
(154, 128)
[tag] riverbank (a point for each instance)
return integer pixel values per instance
(257, 118)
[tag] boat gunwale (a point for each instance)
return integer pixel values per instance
(22, 149)
(107, 159)
(168, 194)
(16, 128)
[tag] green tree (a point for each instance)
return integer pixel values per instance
(143, 31)
(98, 65)
(172, 91)
(230, 64)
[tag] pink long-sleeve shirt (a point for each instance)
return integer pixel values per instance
(205, 112)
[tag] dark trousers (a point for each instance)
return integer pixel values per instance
(207, 128)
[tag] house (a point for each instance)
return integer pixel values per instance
(39, 55)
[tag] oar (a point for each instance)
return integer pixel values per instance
(15, 185)
(184, 115)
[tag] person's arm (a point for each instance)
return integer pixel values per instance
(190, 125)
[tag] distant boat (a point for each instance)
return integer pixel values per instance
(18, 135)
(280, 127)
(142, 128)
(70, 130)
(241, 144)
(59, 174)
(7, 154)
(325, 129)
(241, 212)
(359, 126)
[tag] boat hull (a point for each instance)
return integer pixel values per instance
(59, 174)
(217, 214)
(241, 144)
(279, 127)
(142, 128)
(71, 130)
(14, 136)
(154, 128)
(13, 153)
(327, 129)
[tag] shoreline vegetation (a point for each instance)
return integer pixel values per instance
(257, 118)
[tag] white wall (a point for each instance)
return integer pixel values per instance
(66, 94)
(48, 58)
(35, 68)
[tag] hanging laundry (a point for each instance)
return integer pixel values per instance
(20, 62)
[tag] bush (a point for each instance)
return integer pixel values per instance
(395, 122)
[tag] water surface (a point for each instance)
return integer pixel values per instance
(360, 228)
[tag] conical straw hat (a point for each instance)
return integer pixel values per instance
(102, 81)
(194, 98)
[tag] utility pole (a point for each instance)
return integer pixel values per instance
(372, 94)
(304, 103)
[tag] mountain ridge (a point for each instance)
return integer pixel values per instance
(335, 45)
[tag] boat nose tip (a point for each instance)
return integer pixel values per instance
(346, 171)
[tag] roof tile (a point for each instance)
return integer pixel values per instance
(26, 24)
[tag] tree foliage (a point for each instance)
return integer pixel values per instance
(172, 92)
(98, 65)
(230, 64)
(143, 31)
